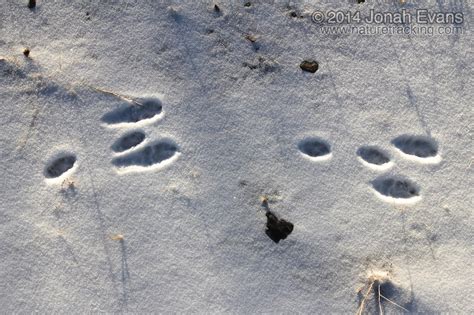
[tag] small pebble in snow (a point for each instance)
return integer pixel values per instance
(117, 237)
(251, 38)
(31, 4)
(247, 4)
(360, 1)
(26, 52)
(309, 65)
(216, 8)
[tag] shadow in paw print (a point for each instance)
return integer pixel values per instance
(128, 141)
(373, 155)
(389, 297)
(420, 146)
(59, 166)
(396, 187)
(314, 147)
(390, 292)
(149, 155)
(144, 109)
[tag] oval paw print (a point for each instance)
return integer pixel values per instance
(396, 190)
(418, 148)
(374, 158)
(128, 141)
(315, 149)
(153, 156)
(142, 111)
(60, 166)
(132, 152)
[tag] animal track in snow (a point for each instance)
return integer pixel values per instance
(131, 151)
(418, 148)
(142, 111)
(392, 189)
(396, 190)
(58, 167)
(315, 149)
(153, 156)
(128, 141)
(374, 158)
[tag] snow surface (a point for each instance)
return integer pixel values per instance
(232, 118)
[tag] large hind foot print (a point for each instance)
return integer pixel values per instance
(59, 167)
(417, 148)
(374, 158)
(140, 112)
(397, 190)
(315, 149)
(151, 157)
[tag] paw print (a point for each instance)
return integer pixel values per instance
(401, 190)
(59, 167)
(375, 158)
(315, 149)
(421, 149)
(133, 152)
(389, 188)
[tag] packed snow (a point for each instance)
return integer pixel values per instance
(184, 157)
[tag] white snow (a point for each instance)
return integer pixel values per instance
(424, 160)
(194, 231)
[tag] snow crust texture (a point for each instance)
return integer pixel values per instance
(182, 157)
